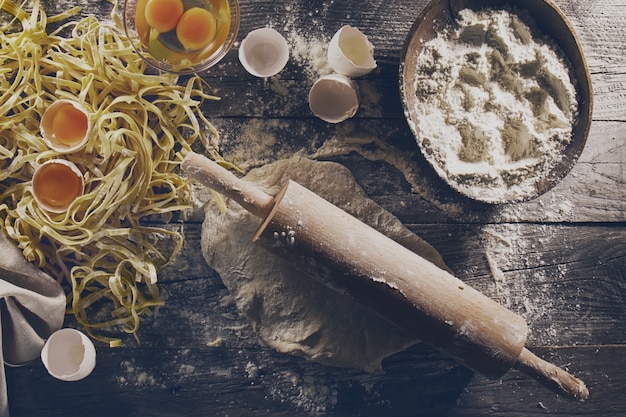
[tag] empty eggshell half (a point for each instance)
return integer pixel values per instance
(264, 52)
(350, 52)
(65, 126)
(334, 98)
(69, 355)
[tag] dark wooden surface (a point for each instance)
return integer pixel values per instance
(559, 260)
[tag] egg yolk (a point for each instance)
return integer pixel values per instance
(196, 28)
(69, 125)
(141, 24)
(56, 185)
(163, 15)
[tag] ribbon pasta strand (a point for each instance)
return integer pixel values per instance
(100, 249)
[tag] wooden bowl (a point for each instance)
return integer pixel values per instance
(551, 22)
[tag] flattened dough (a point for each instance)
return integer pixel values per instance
(290, 311)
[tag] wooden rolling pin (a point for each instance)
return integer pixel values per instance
(388, 278)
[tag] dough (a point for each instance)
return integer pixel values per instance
(290, 311)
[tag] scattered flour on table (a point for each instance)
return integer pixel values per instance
(307, 41)
(373, 148)
(305, 392)
(258, 142)
(512, 256)
(136, 377)
(309, 53)
(495, 106)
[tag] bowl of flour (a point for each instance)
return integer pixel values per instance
(498, 96)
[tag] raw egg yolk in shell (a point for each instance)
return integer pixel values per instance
(69, 125)
(163, 15)
(56, 185)
(196, 29)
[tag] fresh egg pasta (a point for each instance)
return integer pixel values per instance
(101, 248)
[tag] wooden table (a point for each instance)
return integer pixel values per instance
(559, 260)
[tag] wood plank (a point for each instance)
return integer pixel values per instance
(517, 396)
(557, 260)
(388, 22)
(566, 281)
(256, 382)
(601, 35)
(593, 192)
(286, 95)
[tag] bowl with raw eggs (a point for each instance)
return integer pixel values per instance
(498, 95)
(182, 36)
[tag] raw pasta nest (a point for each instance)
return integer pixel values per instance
(102, 248)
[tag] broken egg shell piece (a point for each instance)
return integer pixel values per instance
(350, 53)
(65, 126)
(56, 184)
(69, 355)
(334, 98)
(264, 52)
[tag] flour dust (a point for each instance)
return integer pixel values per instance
(522, 280)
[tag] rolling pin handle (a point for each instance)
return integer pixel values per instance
(219, 179)
(552, 376)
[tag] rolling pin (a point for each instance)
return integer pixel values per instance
(391, 280)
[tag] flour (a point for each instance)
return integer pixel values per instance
(513, 257)
(132, 375)
(495, 106)
(307, 42)
(310, 393)
(310, 53)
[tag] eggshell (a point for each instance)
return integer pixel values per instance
(60, 183)
(334, 98)
(69, 355)
(264, 52)
(48, 125)
(350, 53)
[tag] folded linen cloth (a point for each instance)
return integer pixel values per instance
(32, 307)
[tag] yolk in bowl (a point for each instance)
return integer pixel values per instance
(56, 185)
(69, 125)
(163, 15)
(196, 28)
(141, 24)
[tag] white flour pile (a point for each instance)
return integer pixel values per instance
(495, 106)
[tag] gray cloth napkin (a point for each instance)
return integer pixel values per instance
(32, 306)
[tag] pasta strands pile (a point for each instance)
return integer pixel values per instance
(101, 249)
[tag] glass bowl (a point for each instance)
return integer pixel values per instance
(182, 36)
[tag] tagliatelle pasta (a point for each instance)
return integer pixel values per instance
(101, 248)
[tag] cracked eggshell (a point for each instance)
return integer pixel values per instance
(264, 52)
(65, 126)
(56, 184)
(69, 355)
(334, 98)
(350, 53)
